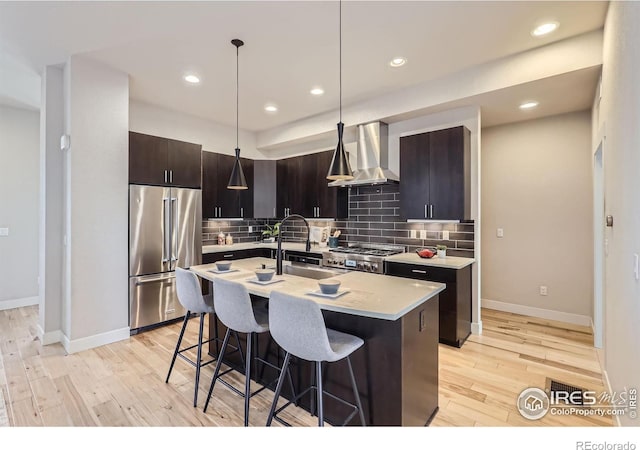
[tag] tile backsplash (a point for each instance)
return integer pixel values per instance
(239, 230)
(374, 217)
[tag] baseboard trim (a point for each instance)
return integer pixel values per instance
(50, 337)
(476, 327)
(19, 302)
(607, 384)
(541, 313)
(97, 340)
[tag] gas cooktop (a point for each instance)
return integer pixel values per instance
(368, 251)
(363, 257)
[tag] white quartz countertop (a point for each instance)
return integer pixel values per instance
(250, 245)
(370, 295)
(448, 262)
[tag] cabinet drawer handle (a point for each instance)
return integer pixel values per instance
(165, 176)
(425, 211)
(228, 256)
(431, 211)
(419, 271)
(241, 212)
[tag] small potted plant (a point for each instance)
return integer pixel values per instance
(442, 251)
(271, 233)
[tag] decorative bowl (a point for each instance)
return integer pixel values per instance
(265, 274)
(223, 265)
(329, 286)
(426, 253)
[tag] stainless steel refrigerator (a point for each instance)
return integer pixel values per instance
(165, 232)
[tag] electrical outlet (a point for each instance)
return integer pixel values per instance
(423, 234)
(543, 290)
(445, 235)
(4, 232)
(413, 234)
(250, 229)
(500, 232)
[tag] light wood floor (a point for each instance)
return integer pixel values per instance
(122, 384)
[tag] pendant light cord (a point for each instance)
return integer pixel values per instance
(340, 34)
(237, 95)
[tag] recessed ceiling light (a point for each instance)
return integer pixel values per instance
(317, 91)
(544, 28)
(191, 79)
(271, 108)
(528, 105)
(397, 62)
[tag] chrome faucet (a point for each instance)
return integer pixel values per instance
(279, 251)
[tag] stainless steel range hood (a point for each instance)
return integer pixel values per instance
(372, 157)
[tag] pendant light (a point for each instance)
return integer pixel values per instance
(237, 180)
(340, 168)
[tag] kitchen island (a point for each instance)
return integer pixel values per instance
(396, 370)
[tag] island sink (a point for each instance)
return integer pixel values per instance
(309, 272)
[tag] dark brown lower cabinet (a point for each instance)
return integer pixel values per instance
(455, 300)
(208, 258)
(396, 370)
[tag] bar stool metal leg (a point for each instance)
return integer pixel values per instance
(175, 353)
(198, 360)
(285, 367)
(355, 392)
(218, 365)
(319, 391)
(312, 401)
(247, 383)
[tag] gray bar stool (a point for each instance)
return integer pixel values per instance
(298, 327)
(191, 298)
(237, 313)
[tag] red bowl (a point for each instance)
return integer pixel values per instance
(426, 257)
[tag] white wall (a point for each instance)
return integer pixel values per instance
(97, 119)
(536, 186)
(619, 116)
(19, 159)
(51, 205)
(214, 137)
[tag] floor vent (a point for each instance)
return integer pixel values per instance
(559, 386)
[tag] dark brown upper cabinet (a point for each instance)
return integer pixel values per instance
(264, 191)
(164, 162)
(302, 188)
(330, 202)
(218, 202)
(435, 175)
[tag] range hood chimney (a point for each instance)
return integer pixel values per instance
(372, 157)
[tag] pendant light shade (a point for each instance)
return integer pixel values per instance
(340, 168)
(237, 179)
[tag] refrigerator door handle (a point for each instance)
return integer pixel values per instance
(155, 279)
(166, 232)
(174, 231)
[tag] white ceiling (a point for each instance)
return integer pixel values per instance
(290, 47)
